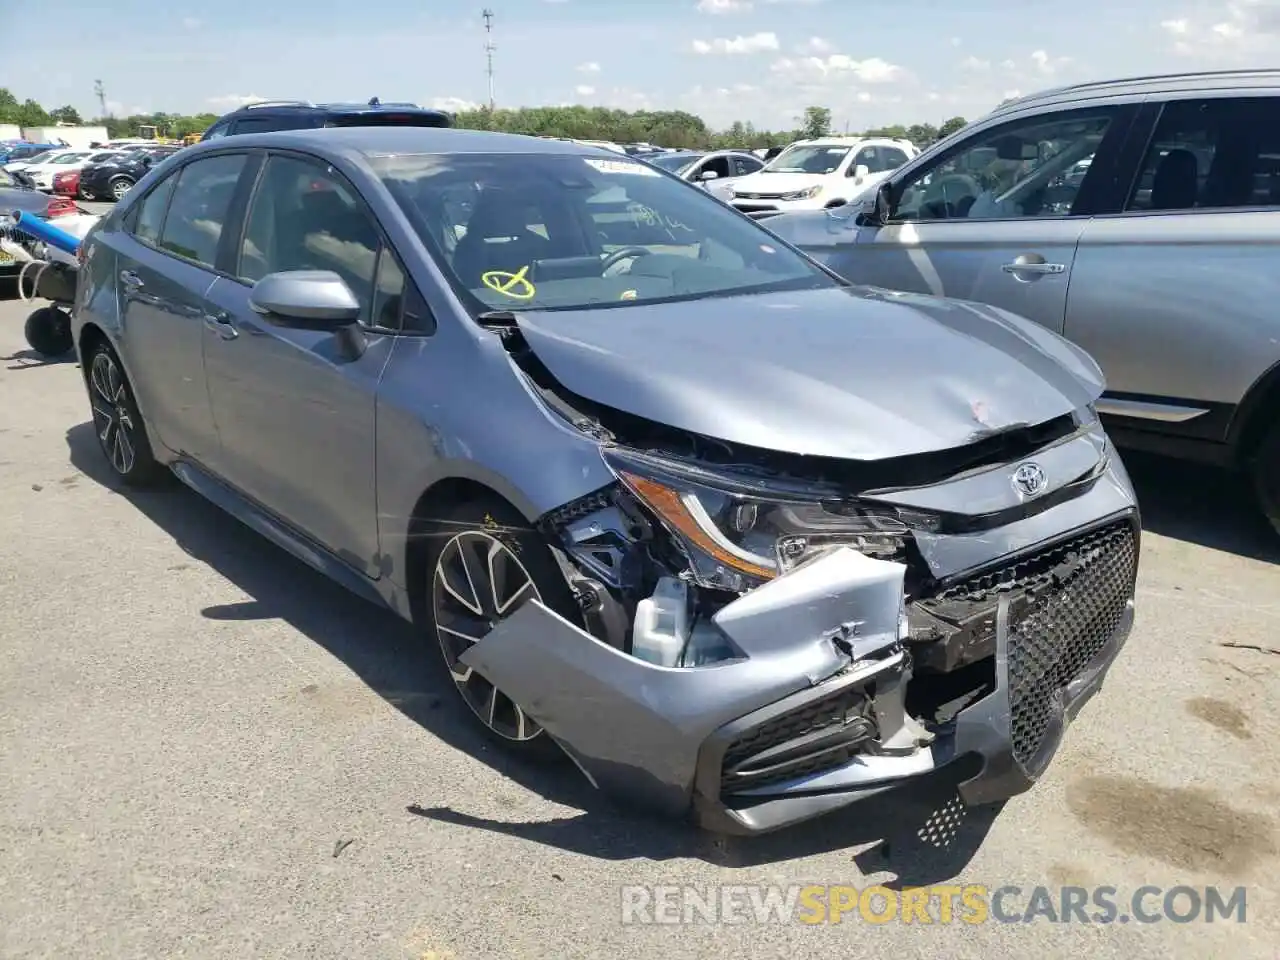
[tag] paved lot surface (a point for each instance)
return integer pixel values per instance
(192, 725)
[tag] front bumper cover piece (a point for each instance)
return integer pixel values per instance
(813, 717)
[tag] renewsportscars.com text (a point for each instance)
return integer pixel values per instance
(938, 904)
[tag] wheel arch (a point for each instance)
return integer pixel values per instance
(1251, 421)
(445, 491)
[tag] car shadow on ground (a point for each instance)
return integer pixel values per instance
(30, 359)
(1200, 504)
(921, 838)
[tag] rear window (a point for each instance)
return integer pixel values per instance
(389, 119)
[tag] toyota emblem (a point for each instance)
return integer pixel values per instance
(1030, 480)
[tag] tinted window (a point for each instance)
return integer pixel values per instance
(269, 123)
(305, 216)
(1207, 154)
(811, 158)
(892, 157)
(1026, 168)
(569, 231)
(217, 130)
(199, 208)
(743, 165)
(150, 216)
(388, 292)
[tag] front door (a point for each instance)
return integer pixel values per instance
(996, 218)
(167, 253)
(296, 408)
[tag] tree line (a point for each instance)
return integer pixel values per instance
(668, 128)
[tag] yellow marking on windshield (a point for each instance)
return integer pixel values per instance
(515, 285)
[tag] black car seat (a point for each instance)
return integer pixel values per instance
(497, 238)
(1176, 184)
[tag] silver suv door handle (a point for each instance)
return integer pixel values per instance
(131, 279)
(221, 324)
(1036, 268)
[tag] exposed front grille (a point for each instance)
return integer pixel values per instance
(821, 735)
(755, 207)
(1068, 601)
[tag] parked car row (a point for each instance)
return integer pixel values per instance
(109, 175)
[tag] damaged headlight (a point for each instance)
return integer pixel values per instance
(739, 532)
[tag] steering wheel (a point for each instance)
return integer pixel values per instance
(626, 253)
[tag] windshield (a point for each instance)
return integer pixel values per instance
(571, 232)
(27, 155)
(808, 158)
(675, 162)
(99, 157)
(65, 158)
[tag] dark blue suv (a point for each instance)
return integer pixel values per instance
(272, 115)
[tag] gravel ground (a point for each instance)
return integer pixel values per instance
(209, 751)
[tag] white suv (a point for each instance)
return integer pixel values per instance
(817, 174)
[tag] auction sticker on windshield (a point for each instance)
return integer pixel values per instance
(621, 166)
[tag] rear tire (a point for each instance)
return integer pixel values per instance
(119, 187)
(482, 561)
(1265, 473)
(48, 332)
(122, 434)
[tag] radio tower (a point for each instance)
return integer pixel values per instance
(489, 47)
(100, 92)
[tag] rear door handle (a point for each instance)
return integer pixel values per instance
(221, 324)
(1039, 269)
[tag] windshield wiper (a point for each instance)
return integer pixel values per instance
(496, 319)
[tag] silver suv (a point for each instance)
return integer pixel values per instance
(1140, 218)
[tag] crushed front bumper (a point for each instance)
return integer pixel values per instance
(814, 716)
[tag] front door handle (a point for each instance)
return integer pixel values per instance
(221, 324)
(1034, 269)
(131, 279)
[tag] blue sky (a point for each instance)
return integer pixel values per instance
(872, 61)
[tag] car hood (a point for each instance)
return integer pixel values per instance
(778, 182)
(28, 201)
(852, 373)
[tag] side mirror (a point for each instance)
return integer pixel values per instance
(861, 171)
(881, 209)
(307, 299)
(708, 175)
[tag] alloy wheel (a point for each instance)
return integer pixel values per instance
(479, 582)
(120, 188)
(115, 425)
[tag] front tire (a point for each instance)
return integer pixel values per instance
(120, 187)
(48, 332)
(122, 435)
(1265, 473)
(482, 563)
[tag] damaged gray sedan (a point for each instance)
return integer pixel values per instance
(744, 541)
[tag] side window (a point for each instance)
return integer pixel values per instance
(744, 166)
(1212, 154)
(305, 216)
(388, 291)
(868, 157)
(892, 158)
(1027, 168)
(147, 220)
(201, 199)
(218, 130)
(719, 164)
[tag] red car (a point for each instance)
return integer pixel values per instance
(67, 184)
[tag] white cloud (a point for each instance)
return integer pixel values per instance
(716, 7)
(452, 104)
(1048, 65)
(975, 63)
(584, 91)
(756, 43)
(230, 101)
(1179, 27)
(589, 67)
(956, 41)
(818, 45)
(1008, 65)
(1237, 31)
(871, 70)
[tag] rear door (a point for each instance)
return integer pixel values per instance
(167, 254)
(1176, 291)
(296, 409)
(996, 218)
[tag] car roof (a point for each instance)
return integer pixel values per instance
(1156, 84)
(384, 141)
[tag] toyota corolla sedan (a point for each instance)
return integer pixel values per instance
(744, 541)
